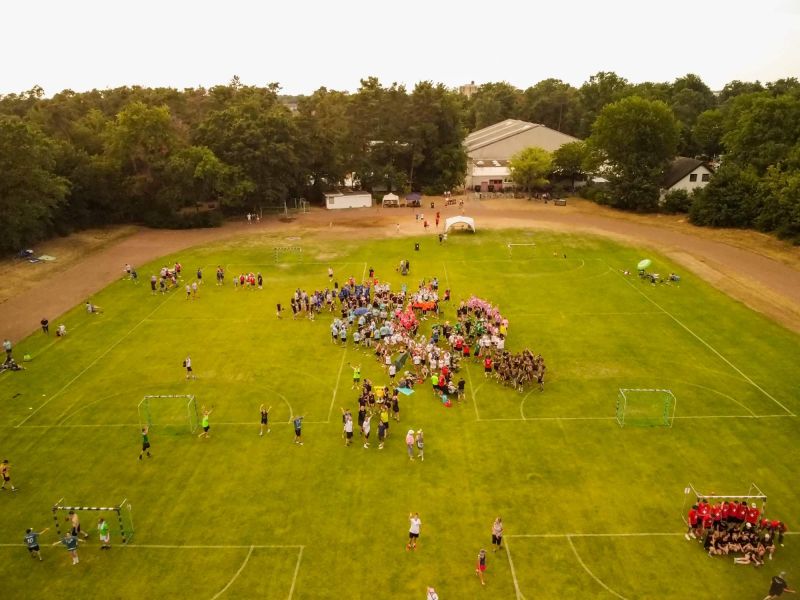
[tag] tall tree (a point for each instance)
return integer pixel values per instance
(30, 191)
(571, 160)
(530, 167)
(601, 89)
(638, 138)
(553, 103)
(494, 102)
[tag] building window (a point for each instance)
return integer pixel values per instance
(693, 177)
(706, 177)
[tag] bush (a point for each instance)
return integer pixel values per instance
(733, 198)
(595, 193)
(676, 201)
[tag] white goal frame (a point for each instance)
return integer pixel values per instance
(123, 508)
(192, 414)
(669, 417)
(691, 497)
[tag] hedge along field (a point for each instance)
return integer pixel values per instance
(239, 516)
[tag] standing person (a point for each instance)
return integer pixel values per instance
(356, 376)
(395, 406)
(45, 326)
(410, 444)
(188, 291)
(497, 534)
(32, 542)
(330, 272)
(298, 430)
(481, 566)
(278, 306)
(145, 443)
(260, 280)
(199, 275)
(381, 434)
(75, 525)
(5, 472)
(7, 347)
(264, 419)
(461, 385)
(348, 428)
(777, 586)
(153, 281)
(70, 542)
(366, 426)
(105, 535)
(413, 531)
(188, 364)
(194, 289)
(205, 422)
(431, 594)
(420, 445)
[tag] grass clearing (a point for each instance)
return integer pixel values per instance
(238, 515)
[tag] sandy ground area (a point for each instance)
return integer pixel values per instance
(756, 269)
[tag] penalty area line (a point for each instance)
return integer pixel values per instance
(706, 344)
(593, 576)
(235, 575)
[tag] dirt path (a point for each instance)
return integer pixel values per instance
(758, 270)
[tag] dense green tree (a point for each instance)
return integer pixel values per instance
(553, 103)
(530, 168)
(495, 102)
(257, 135)
(781, 203)
(601, 89)
(707, 133)
(690, 97)
(738, 88)
(30, 191)
(762, 129)
(437, 153)
(572, 160)
(732, 198)
(638, 139)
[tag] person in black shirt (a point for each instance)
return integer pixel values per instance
(778, 586)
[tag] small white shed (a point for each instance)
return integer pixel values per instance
(335, 200)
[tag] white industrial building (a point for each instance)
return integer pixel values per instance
(339, 199)
(490, 149)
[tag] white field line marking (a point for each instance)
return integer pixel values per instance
(191, 546)
(235, 575)
(585, 314)
(91, 364)
(252, 423)
(522, 404)
(296, 571)
(585, 568)
(782, 416)
(599, 535)
(707, 345)
(517, 591)
(336, 387)
(446, 278)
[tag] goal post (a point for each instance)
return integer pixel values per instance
(120, 521)
(281, 251)
(692, 496)
(642, 407)
(177, 410)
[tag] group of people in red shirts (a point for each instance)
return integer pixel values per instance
(733, 527)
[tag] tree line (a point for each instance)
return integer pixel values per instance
(163, 156)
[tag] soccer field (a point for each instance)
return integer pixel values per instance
(591, 509)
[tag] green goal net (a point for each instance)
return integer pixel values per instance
(169, 410)
(645, 408)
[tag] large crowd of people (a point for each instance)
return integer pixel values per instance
(732, 528)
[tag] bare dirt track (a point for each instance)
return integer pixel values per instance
(758, 270)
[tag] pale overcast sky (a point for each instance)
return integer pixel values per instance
(85, 44)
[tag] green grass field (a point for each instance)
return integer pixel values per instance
(241, 516)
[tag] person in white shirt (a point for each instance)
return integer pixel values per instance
(348, 428)
(431, 595)
(413, 531)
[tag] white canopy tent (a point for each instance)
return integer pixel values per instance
(459, 223)
(391, 200)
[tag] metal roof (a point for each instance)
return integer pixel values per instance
(500, 131)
